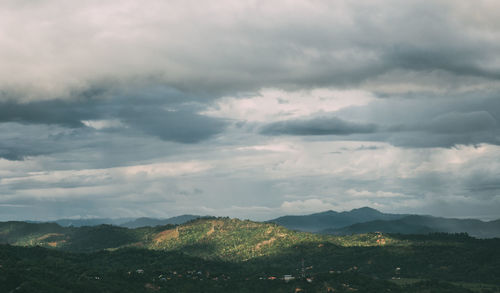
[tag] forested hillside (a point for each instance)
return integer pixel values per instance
(222, 254)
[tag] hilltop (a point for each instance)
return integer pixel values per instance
(223, 238)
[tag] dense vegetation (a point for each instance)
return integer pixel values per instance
(229, 255)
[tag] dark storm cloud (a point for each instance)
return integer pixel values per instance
(483, 183)
(317, 126)
(180, 126)
(15, 152)
(59, 112)
(161, 113)
(462, 122)
(447, 130)
(436, 121)
(458, 58)
(18, 141)
(430, 140)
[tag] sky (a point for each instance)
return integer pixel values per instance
(250, 109)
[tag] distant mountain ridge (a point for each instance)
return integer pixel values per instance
(152, 222)
(357, 221)
(332, 220)
(366, 220)
(91, 222)
(122, 222)
(416, 224)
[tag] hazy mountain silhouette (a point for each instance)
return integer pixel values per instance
(332, 220)
(356, 221)
(123, 222)
(91, 222)
(365, 220)
(152, 222)
(416, 224)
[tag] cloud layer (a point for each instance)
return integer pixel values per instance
(317, 126)
(55, 50)
(249, 108)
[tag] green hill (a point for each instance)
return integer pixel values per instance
(243, 254)
(221, 238)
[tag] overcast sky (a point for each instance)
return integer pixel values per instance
(250, 109)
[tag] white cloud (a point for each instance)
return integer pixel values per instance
(279, 147)
(403, 66)
(106, 176)
(165, 169)
(274, 104)
(103, 124)
(373, 195)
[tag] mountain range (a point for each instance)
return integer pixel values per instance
(332, 219)
(152, 222)
(365, 220)
(122, 222)
(416, 224)
(356, 221)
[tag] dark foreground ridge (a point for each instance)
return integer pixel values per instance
(230, 255)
